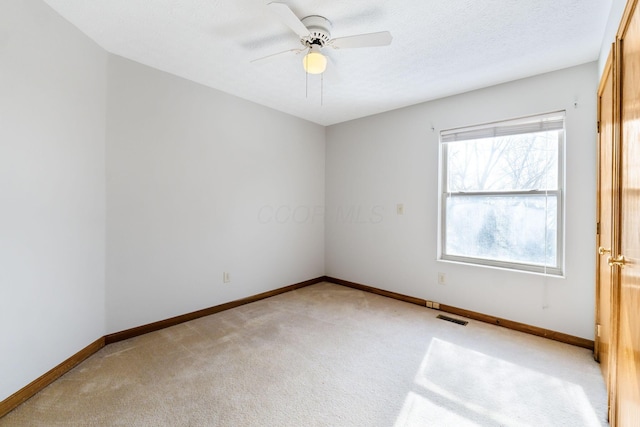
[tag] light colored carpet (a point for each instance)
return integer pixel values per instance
(326, 355)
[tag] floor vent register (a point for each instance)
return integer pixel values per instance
(453, 320)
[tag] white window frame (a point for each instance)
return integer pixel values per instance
(523, 125)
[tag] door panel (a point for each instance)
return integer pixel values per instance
(605, 215)
(628, 347)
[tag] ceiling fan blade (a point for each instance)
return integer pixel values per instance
(289, 18)
(383, 38)
(277, 54)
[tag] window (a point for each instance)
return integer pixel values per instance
(502, 201)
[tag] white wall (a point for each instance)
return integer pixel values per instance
(374, 163)
(52, 191)
(198, 183)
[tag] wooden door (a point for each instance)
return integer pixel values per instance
(627, 258)
(604, 344)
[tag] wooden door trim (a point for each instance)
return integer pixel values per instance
(626, 18)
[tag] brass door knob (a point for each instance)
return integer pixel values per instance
(603, 251)
(617, 260)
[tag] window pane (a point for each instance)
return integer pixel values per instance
(518, 229)
(510, 163)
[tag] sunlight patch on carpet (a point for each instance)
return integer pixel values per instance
(472, 388)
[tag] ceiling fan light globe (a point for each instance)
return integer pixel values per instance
(314, 63)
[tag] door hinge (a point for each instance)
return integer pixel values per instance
(598, 126)
(598, 228)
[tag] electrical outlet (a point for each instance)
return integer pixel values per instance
(442, 278)
(226, 278)
(436, 306)
(429, 304)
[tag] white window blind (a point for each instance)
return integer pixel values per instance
(547, 122)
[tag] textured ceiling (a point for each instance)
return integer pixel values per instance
(439, 48)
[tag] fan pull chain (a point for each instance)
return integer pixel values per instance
(306, 87)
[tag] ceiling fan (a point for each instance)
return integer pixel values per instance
(315, 35)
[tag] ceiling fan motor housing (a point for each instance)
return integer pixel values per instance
(319, 31)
